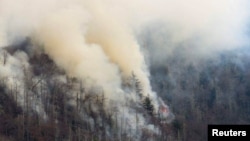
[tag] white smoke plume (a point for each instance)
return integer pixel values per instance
(96, 41)
(84, 44)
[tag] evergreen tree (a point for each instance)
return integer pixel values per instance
(147, 104)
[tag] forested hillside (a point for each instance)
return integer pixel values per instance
(48, 105)
(122, 70)
(215, 91)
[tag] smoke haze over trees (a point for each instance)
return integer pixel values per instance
(122, 70)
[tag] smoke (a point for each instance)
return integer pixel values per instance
(86, 42)
(103, 42)
(195, 29)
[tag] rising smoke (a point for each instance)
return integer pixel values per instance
(102, 42)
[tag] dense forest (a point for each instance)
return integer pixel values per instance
(215, 91)
(48, 105)
(200, 88)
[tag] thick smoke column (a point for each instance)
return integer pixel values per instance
(65, 43)
(82, 37)
(90, 47)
